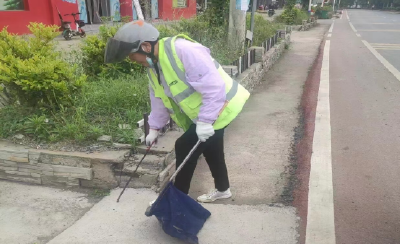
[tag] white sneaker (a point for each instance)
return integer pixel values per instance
(214, 195)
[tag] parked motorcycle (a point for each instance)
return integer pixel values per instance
(68, 32)
(271, 12)
(199, 9)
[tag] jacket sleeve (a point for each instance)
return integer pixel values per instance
(204, 77)
(159, 115)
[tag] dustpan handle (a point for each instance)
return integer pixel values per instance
(185, 160)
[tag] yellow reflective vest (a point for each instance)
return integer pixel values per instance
(190, 100)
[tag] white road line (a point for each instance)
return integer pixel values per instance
(352, 27)
(385, 63)
(341, 16)
(358, 35)
(347, 15)
(329, 35)
(331, 29)
(320, 218)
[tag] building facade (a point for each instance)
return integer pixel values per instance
(17, 14)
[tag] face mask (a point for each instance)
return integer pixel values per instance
(150, 62)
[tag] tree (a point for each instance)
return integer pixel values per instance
(14, 4)
(219, 11)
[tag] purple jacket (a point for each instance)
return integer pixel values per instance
(202, 75)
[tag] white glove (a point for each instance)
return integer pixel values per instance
(204, 131)
(151, 137)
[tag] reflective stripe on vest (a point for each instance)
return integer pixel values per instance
(150, 77)
(181, 75)
(170, 110)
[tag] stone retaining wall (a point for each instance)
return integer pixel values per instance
(104, 170)
(65, 169)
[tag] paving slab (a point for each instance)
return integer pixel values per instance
(35, 214)
(109, 222)
(7, 147)
(258, 142)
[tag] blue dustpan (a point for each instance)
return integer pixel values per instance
(180, 215)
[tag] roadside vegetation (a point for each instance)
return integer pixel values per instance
(73, 96)
(292, 15)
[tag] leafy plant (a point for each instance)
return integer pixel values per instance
(38, 126)
(93, 50)
(217, 14)
(32, 71)
(263, 29)
(12, 119)
(292, 16)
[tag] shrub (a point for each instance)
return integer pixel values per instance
(33, 72)
(12, 119)
(292, 16)
(167, 31)
(213, 37)
(301, 15)
(318, 10)
(263, 29)
(93, 54)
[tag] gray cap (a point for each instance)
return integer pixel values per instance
(128, 40)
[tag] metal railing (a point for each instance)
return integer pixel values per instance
(245, 61)
(268, 44)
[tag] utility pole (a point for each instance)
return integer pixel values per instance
(253, 12)
(138, 9)
(237, 26)
(309, 6)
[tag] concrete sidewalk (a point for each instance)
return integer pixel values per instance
(258, 144)
(110, 222)
(258, 147)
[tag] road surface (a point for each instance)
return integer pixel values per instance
(354, 194)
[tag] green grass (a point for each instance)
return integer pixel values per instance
(99, 109)
(117, 96)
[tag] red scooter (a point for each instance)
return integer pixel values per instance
(68, 33)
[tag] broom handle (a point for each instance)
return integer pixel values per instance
(185, 160)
